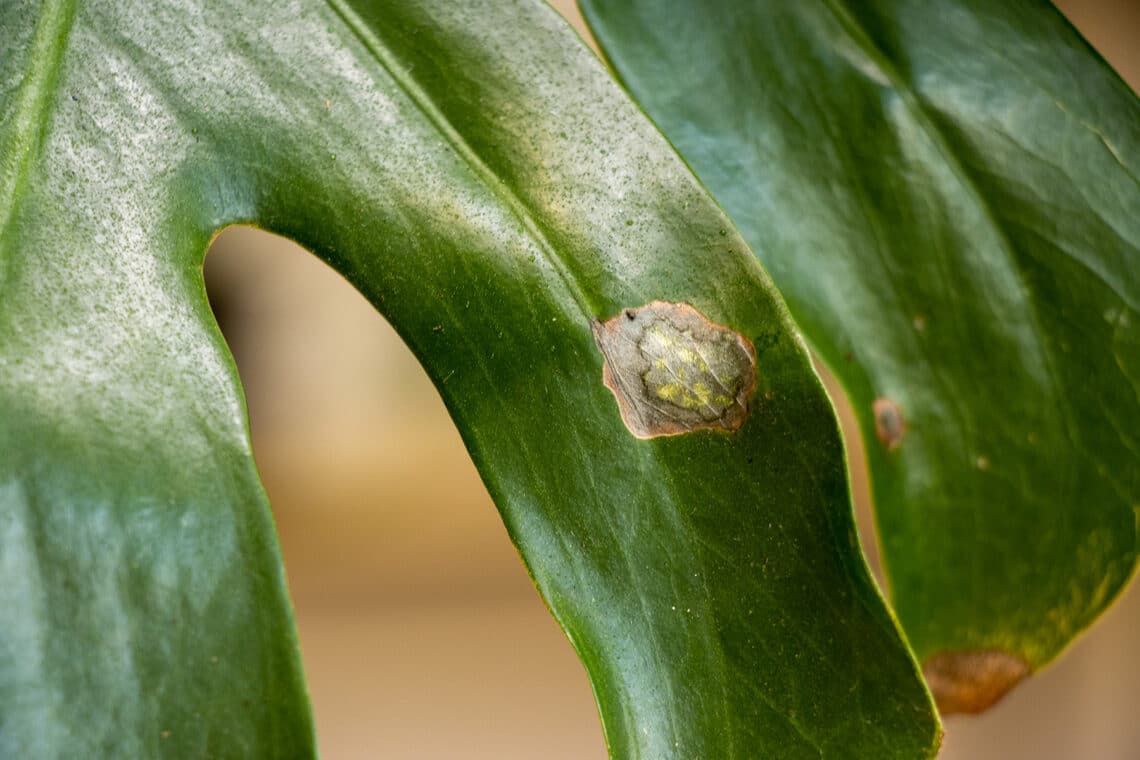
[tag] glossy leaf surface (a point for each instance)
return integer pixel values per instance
(475, 173)
(947, 195)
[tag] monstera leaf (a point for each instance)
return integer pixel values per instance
(622, 371)
(947, 194)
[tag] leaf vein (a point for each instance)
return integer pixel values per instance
(422, 100)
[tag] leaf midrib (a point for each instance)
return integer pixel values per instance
(32, 111)
(423, 101)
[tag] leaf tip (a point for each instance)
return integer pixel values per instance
(972, 681)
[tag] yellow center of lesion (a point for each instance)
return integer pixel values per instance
(673, 371)
(681, 375)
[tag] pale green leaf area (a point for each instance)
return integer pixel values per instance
(947, 194)
(473, 170)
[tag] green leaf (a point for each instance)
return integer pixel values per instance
(947, 195)
(476, 174)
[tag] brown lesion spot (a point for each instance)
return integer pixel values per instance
(673, 371)
(972, 681)
(889, 424)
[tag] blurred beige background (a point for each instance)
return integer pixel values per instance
(421, 633)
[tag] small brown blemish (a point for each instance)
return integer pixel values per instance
(889, 425)
(674, 371)
(972, 681)
(982, 463)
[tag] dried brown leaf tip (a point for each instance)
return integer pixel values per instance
(889, 424)
(972, 681)
(674, 371)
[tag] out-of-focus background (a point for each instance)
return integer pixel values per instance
(421, 633)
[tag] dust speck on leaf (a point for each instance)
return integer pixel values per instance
(972, 681)
(889, 424)
(673, 371)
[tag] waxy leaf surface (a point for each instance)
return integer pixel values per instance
(476, 174)
(947, 195)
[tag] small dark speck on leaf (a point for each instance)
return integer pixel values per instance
(764, 342)
(889, 425)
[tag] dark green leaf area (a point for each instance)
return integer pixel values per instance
(475, 173)
(947, 195)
